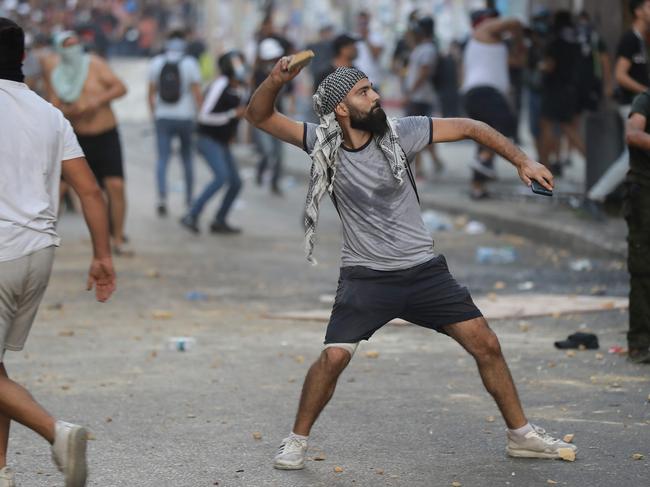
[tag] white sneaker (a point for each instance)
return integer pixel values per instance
(7, 477)
(291, 454)
(69, 453)
(536, 444)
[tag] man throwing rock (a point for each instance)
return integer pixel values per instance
(388, 266)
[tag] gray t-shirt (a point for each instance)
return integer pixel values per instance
(382, 222)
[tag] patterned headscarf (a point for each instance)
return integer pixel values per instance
(329, 137)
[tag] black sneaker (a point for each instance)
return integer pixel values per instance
(189, 222)
(161, 209)
(224, 229)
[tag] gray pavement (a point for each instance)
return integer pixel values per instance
(412, 414)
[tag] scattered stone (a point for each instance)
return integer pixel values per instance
(161, 314)
(490, 419)
(570, 353)
(599, 356)
(568, 438)
(55, 307)
(456, 484)
(299, 359)
(320, 458)
(153, 273)
(257, 435)
(65, 387)
(524, 326)
(552, 482)
(637, 456)
(66, 333)
(371, 354)
(567, 454)
(191, 416)
(109, 420)
(499, 285)
(379, 471)
(338, 469)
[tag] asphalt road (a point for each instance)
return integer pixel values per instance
(414, 415)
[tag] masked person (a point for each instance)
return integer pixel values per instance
(389, 269)
(83, 87)
(39, 146)
(174, 97)
(218, 119)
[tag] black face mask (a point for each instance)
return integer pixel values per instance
(374, 122)
(12, 73)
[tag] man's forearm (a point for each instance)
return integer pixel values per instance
(629, 83)
(638, 139)
(96, 216)
(262, 103)
(487, 136)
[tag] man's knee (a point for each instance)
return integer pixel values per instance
(114, 184)
(335, 358)
(487, 347)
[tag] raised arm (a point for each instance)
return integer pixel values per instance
(492, 30)
(101, 274)
(453, 129)
(261, 110)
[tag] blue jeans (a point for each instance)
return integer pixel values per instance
(270, 149)
(225, 169)
(166, 130)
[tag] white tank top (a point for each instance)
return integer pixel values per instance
(485, 65)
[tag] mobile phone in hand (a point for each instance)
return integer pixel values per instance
(539, 189)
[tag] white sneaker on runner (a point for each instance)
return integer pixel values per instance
(7, 477)
(69, 453)
(291, 454)
(536, 444)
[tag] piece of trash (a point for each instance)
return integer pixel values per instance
(181, 344)
(320, 458)
(66, 333)
(371, 354)
(474, 227)
(494, 255)
(499, 285)
(616, 349)
(257, 435)
(161, 314)
(525, 286)
(456, 484)
(436, 222)
(338, 469)
(568, 438)
(196, 296)
(552, 482)
(587, 340)
(637, 456)
(379, 471)
(490, 419)
(580, 265)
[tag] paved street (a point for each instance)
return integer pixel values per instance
(410, 413)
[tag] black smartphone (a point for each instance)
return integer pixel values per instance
(539, 189)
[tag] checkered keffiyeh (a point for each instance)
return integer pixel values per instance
(329, 137)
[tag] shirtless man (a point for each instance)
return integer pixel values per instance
(82, 86)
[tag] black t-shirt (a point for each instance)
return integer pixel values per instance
(640, 159)
(565, 55)
(633, 48)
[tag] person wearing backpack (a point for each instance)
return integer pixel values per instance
(174, 97)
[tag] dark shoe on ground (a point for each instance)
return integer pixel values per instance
(224, 229)
(161, 209)
(189, 223)
(639, 356)
(586, 340)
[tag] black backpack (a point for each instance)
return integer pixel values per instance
(169, 84)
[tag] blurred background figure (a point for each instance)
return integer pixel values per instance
(370, 47)
(269, 148)
(486, 87)
(345, 52)
(219, 116)
(174, 96)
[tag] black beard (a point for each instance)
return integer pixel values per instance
(374, 122)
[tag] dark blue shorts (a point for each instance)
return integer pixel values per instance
(426, 295)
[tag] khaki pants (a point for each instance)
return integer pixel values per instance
(22, 285)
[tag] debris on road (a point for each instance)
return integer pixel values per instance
(637, 456)
(181, 344)
(475, 228)
(525, 286)
(371, 354)
(257, 435)
(567, 454)
(196, 296)
(495, 255)
(161, 314)
(338, 469)
(568, 438)
(580, 265)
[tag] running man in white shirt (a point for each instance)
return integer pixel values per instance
(38, 146)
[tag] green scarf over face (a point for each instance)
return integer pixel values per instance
(69, 76)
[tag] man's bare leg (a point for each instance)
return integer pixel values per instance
(4, 439)
(319, 386)
(481, 342)
(117, 207)
(19, 405)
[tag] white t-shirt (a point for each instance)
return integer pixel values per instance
(34, 140)
(424, 54)
(368, 64)
(185, 108)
